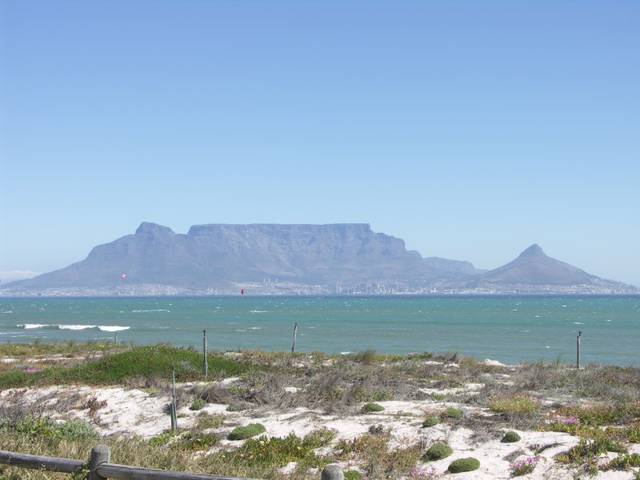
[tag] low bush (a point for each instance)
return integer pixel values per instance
(372, 408)
(438, 451)
(588, 450)
(510, 437)
(517, 405)
(624, 462)
(205, 421)
(524, 466)
(367, 357)
(198, 441)
(319, 438)
(352, 475)
(248, 431)
(46, 428)
(468, 464)
(162, 439)
(600, 415)
(276, 452)
(197, 404)
(430, 421)
(453, 413)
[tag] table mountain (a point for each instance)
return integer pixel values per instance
(293, 259)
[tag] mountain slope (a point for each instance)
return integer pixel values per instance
(534, 267)
(536, 272)
(222, 256)
(295, 259)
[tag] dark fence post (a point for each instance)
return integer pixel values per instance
(578, 350)
(174, 407)
(205, 360)
(295, 333)
(99, 454)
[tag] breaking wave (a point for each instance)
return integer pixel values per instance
(102, 328)
(151, 310)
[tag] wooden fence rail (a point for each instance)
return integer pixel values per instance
(99, 467)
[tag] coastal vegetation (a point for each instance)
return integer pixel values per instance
(431, 397)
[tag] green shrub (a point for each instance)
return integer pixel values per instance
(367, 357)
(454, 413)
(632, 432)
(510, 437)
(438, 451)
(278, 452)
(237, 407)
(248, 431)
(430, 421)
(198, 441)
(46, 428)
(599, 415)
(197, 404)
(624, 462)
(372, 407)
(205, 421)
(588, 450)
(162, 439)
(517, 405)
(464, 465)
(352, 475)
(319, 438)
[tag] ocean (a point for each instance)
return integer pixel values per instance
(507, 329)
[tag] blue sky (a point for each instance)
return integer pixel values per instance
(469, 129)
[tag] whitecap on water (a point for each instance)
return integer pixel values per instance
(113, 328)
(151, 310)
(30, 326)
(76, 327)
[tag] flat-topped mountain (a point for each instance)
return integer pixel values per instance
(294, 259)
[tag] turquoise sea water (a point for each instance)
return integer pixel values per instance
(508, 329)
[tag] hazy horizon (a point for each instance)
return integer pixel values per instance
(471, 131)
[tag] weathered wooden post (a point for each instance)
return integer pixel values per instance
(99, 454)
(295, 333)
(205, 361)
(174, 415)
(332, 472)
(578, 350)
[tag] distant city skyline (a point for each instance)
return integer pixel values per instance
(470, 130)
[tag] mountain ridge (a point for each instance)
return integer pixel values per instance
(340, 258)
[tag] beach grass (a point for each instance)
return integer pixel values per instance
(143, 362)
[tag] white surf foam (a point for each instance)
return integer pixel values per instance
(30, 326)
(151, 310)
(112, 328)
(75, 327)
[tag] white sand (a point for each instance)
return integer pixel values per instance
(137, 412)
